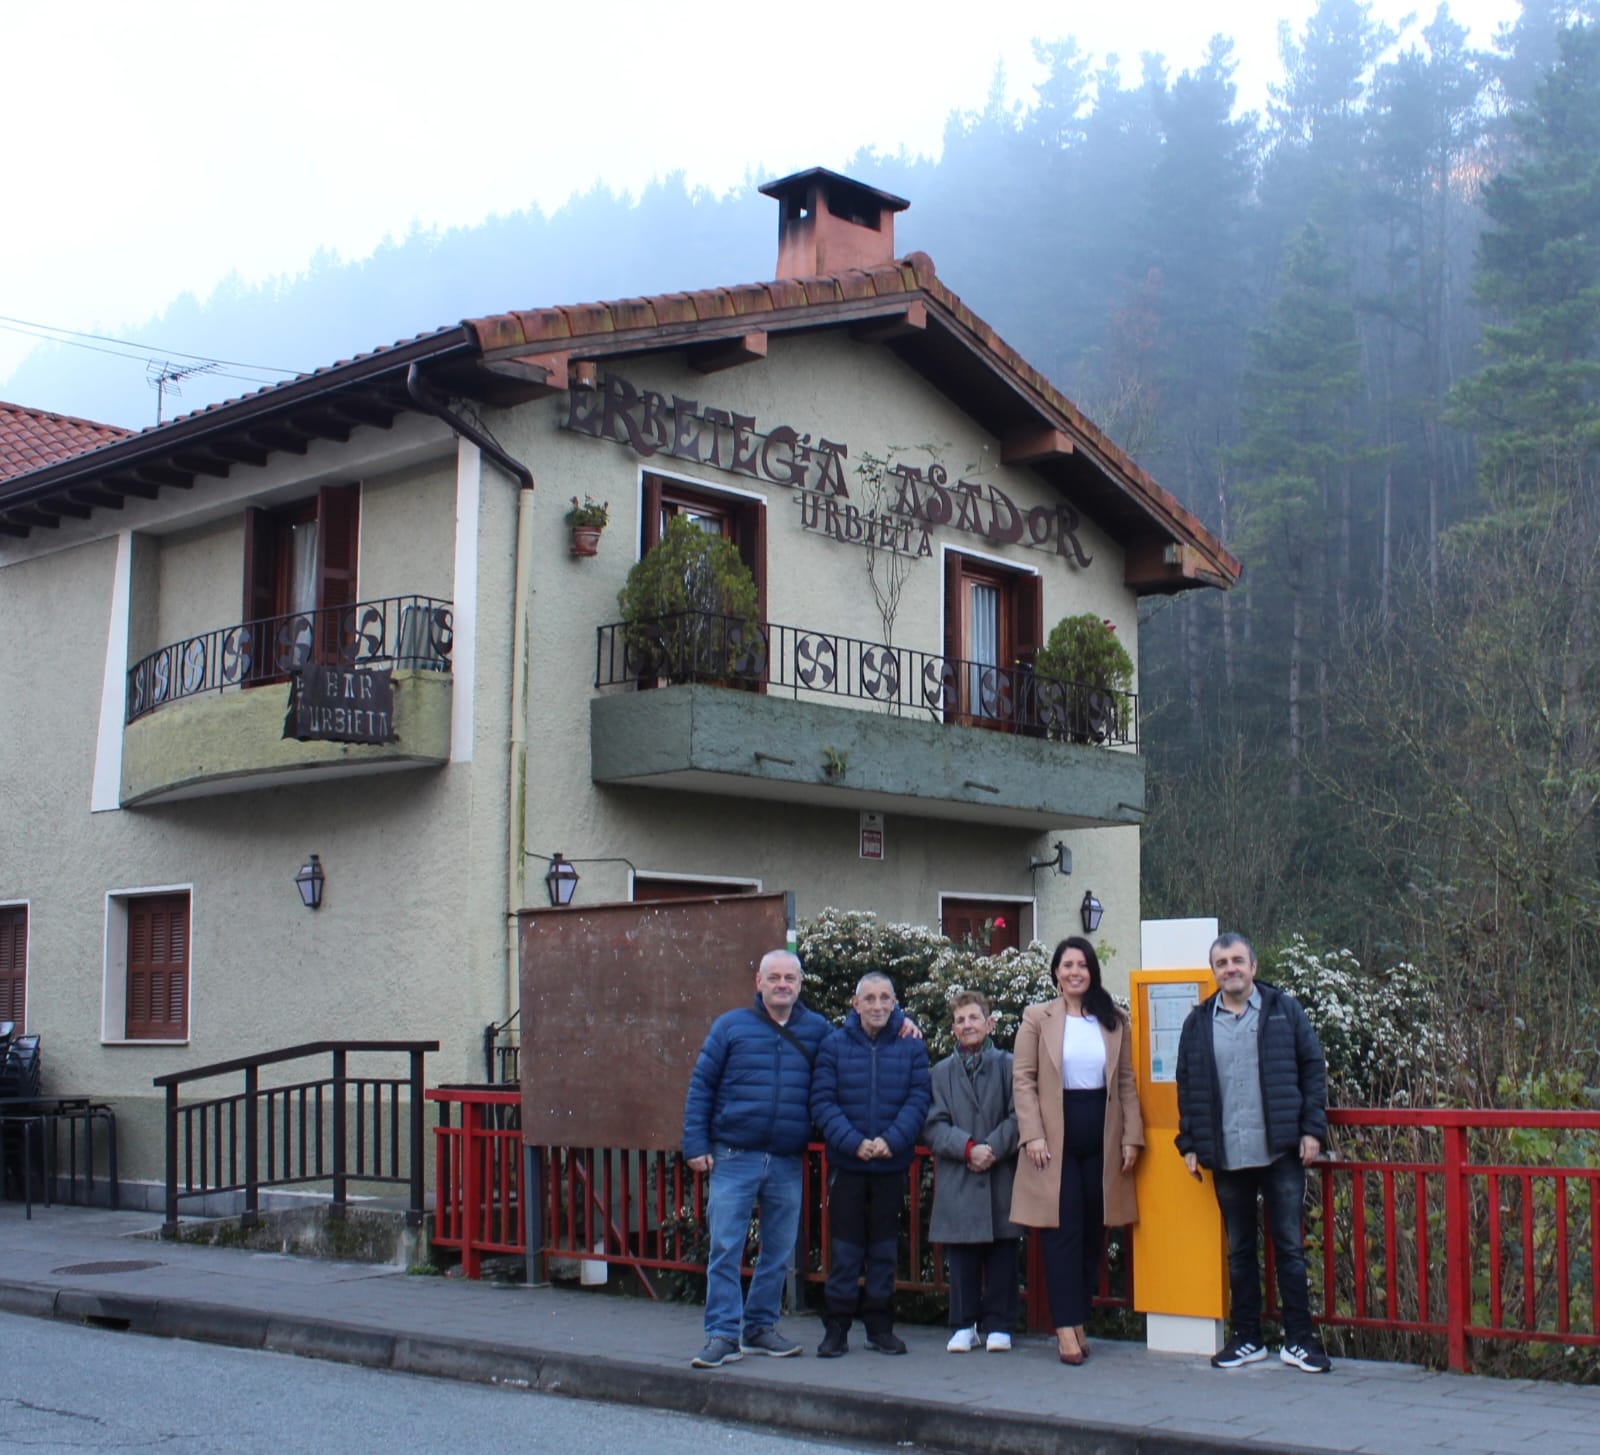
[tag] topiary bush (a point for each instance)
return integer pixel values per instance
(690, 605)
(1081, 675)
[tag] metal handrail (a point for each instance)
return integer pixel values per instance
(700, 646)
(306, 1126)
(395, 631)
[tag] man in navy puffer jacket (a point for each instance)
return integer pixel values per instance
(747, 1116)
(869, 1096)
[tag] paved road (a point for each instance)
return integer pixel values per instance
(67, 1390)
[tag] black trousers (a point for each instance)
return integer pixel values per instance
(983, 1285)
(1072, 1248)
(863, 1240)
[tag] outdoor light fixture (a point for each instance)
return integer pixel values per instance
(309, 882)
(561, 879)
(1061, 860)
(1091, 909)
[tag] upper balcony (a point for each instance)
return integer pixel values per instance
(814, 717)
(363, 688)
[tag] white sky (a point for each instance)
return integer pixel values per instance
(157, 147)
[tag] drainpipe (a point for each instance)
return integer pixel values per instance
(435, 404)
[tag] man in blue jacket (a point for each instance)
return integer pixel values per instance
(1252, 1106)
(746, 1121)
(869, 1098)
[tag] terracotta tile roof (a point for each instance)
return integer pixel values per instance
(30, 438)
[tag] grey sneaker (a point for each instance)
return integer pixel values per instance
(1308, 1357)
(1239, 1351)
(768, 1341)
(717, 1352)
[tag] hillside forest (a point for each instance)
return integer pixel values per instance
(1358, 335)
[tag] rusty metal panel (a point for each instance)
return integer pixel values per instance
(615, 1003)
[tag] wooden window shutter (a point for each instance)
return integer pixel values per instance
(338, 537)
(954, 631)
(1028, 631)
(750, 536)
(650, 525)
(158, 968)
(13, 964)
(260, 564)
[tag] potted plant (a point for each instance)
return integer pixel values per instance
(1081, 677)
(690, 606)
(586, 521)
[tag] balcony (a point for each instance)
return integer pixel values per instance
(210, 714)
(789, 714)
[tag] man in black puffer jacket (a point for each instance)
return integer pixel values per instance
(1252, 1107)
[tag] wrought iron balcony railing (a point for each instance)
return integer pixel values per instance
(397, 631)
(703, 647)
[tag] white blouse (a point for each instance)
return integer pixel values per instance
(1083, 1055)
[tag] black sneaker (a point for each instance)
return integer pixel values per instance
(886, 1341)
(1239, 1352)
(1308, 1357)
(835, 1341)
(717, 1352)
(768, 1341)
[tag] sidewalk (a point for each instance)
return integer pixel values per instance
(78, 1263)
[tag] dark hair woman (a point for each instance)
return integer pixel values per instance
(1078, 1117)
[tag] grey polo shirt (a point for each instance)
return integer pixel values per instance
(1244, 1120)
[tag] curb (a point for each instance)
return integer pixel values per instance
(822, 1410)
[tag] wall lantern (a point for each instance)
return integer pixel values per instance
(309, 882)
(1060, 861)
(561, 879)
(1091, 909)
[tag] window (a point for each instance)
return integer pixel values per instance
(14, 964)
(993, 628)
(740, 518)
(299, 560)
(147, 967)
(991, 925)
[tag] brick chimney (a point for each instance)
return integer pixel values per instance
(827, 223)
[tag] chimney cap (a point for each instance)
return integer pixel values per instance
(846, 193)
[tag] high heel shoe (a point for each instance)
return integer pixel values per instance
(1074, 1355)
(1083, 1340)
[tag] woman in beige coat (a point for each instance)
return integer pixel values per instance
(1078, 1118)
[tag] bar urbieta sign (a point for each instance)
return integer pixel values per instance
(651, 424)
(341, 705)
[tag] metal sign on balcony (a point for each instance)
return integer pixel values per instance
(341, 705)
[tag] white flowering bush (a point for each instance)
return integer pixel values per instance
(839, 946)
(1376, 1026)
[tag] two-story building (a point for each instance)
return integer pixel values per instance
(345, 617)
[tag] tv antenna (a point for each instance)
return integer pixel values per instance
(164, 377)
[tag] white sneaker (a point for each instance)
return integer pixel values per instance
(998, 1343)
(963, 1341)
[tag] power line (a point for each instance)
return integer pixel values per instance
(28, 326)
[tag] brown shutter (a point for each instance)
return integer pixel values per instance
(1028, 619)
(158, 968)
(954, 632)
(750, 535)
(338, 535)
(650, 525)
(13, 964)
(260, 564)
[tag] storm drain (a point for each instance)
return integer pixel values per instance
(126, 1265)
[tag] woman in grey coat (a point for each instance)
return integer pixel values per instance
(972, 1129)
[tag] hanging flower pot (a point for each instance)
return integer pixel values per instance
(586, 521)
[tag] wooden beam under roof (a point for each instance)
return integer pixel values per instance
(321, 424)
(368, 411)
(912, 319)
(272, 437)
(131, 485)
(93, 496)
(727, 353)
(165, 475)
(198, 463)
(1034, 445)
(34, 515)
(9, 527)
(237, 451)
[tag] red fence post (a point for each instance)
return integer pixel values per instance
(1458, 1266)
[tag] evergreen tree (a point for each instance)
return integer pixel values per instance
(1535, 406)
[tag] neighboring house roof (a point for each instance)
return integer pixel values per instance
(508, 357)
(30, 438)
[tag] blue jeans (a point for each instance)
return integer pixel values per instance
(742, 1180)
(1281, 1186)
